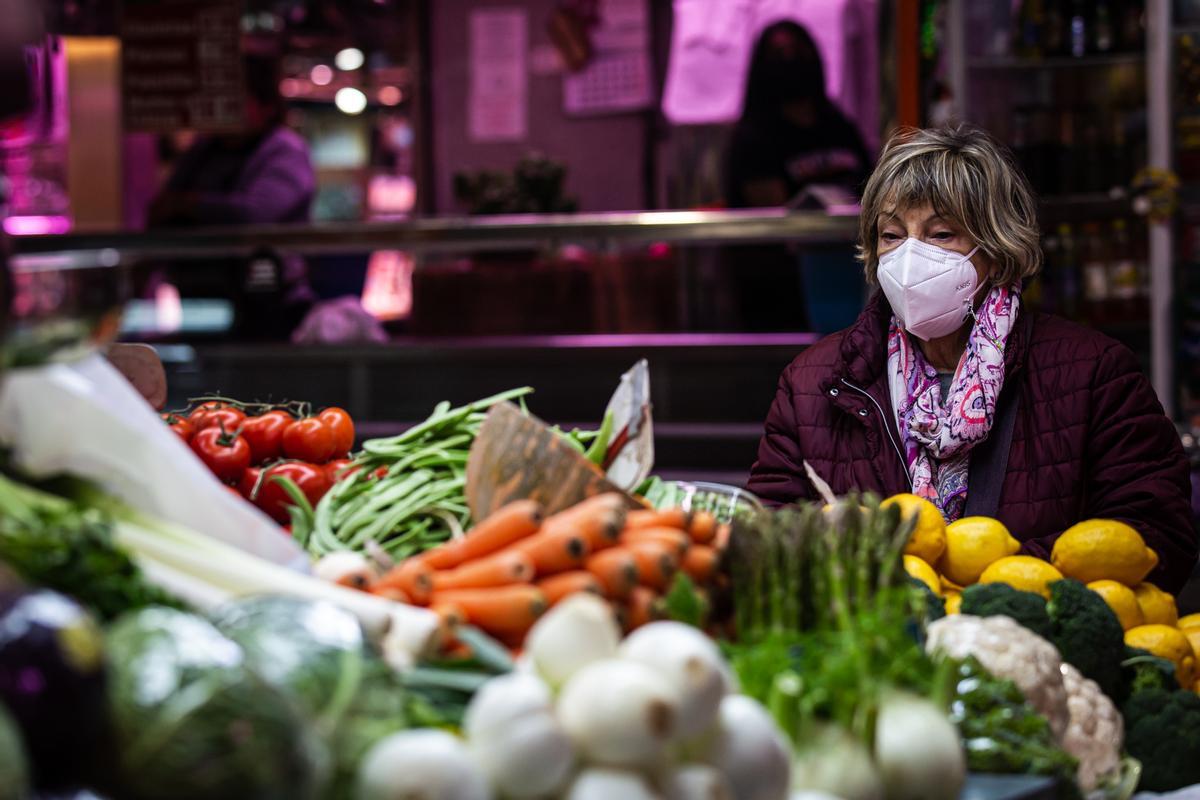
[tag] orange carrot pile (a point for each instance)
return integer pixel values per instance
(507, 570)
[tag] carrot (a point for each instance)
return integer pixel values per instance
(501, 569)
(449, 618)
(677, 540)
(703, 527)
(640, 608)
(412, 576)
(656, 563)
(554, 551)
(662, 518)
(700, 563)
(596, 520)
(724, 531)
(616, 570)
(503, 527)
(392, 593)
(501, 610)
(556, 587)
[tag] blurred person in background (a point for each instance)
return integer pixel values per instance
(791, 137)
(262, 174)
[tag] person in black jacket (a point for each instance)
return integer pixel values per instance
(790, 134)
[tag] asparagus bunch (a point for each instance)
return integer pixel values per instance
(808, 568)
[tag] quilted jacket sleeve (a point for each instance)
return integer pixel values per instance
(777, 477)
(1137, 471)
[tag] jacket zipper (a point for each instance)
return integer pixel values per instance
(886, 426)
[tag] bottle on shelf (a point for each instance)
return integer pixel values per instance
(1131, 31)
(1078, 36)
(1096, 289)
(1102, 34)
(1123, 276)
(1056, 39)
(1029, 29)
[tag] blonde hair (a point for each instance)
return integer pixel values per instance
(968, 178)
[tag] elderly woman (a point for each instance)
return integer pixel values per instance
(947, 387)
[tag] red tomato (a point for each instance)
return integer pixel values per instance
(227, 419)
(235, 491)
(343, 429)
(180, 425)
(265, 435)
(200, 412)
(308, 440)
(225, 454)
(248, 482)
(339, 468)
(272, 498)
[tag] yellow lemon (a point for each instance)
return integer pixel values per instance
(1190, 621)
(972, 545)
(1103, 549)
(949, 585)
(1193, 637)
(1024, 573)
(1158, 607)
(1169, 643)
(1122, 601)
(953, 603)
(919, 568)
(928, 540)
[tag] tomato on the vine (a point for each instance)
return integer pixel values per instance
(226, 454)
(264, 433)
(340, 468)
(181, 426)
(342, 426)
(309, 440)
(228, 419)
(201, 412)
(248, 482)
(274, 500)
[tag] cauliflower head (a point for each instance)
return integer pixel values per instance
(1008, 650)
(1096, 732)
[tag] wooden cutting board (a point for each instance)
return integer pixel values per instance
(516, 456)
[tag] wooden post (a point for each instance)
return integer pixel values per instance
(908, 62)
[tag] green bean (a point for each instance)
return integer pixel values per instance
(362, 527)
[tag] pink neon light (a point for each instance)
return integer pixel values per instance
(36, 225)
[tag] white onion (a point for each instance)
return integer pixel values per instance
(578, 631)
(420, 764)
(749, 748)
(691, 662)
(619, 713)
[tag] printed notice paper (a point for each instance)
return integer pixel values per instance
(499, 83)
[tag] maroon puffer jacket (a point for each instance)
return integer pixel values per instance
(1090, 439)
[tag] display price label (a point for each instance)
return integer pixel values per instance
(181, 65)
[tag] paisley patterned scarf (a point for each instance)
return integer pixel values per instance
(937, 437)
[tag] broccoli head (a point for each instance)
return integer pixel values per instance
(1162, 730)
(1000, 599)
(1142, 671)
(932, 607)
(1087, 633)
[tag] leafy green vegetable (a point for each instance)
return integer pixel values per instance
(685, 603)
(14, 772)
(63, 545)
(599, 449)
(1003, 734)
(318, 655)
(193, 721)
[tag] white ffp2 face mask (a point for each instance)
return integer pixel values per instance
(929, 288)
